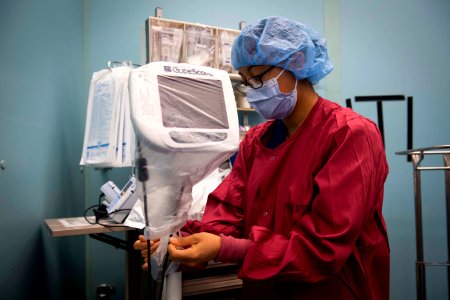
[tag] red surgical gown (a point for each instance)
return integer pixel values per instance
(312, 207)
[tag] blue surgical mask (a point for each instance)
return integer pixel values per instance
(270, 102)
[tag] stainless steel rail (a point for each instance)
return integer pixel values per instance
(417, 156)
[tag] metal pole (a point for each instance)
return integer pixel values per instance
(420, 267)
(446, 158)
(380, 119)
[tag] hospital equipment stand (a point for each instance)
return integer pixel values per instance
(417, 156)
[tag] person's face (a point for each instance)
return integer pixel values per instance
(286, 81)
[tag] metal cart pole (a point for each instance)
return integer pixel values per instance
(417, 156)
(420, 267)
(446, 158)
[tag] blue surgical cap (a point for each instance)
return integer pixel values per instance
(284, 43)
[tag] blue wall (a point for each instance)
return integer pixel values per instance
(41, 118)
(49, 50)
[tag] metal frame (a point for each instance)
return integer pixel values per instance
(379, 99)
(417, 156)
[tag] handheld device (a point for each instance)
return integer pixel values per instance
(111, 191)
(120, 202)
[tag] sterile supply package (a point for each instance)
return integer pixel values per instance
(109, 136)
(186, 125)
(200, 44)
(226, 39)
(166, 43)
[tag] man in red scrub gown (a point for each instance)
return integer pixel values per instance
(301, 210)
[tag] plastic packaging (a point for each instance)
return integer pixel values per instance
(226, 39)
(203, 188)
(200, 46)
(109, 136)
(166, 44)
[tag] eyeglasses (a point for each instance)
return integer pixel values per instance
(255, 82)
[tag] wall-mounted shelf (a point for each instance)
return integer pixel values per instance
(193, 43)
(246, 109)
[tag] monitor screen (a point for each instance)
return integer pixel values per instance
(192, 103)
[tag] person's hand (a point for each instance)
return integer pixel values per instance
(141, 245)
(194, 250)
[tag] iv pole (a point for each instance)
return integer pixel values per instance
(173, 290)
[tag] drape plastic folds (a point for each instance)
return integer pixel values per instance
(186, 125)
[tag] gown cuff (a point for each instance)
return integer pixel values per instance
(232, 250)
